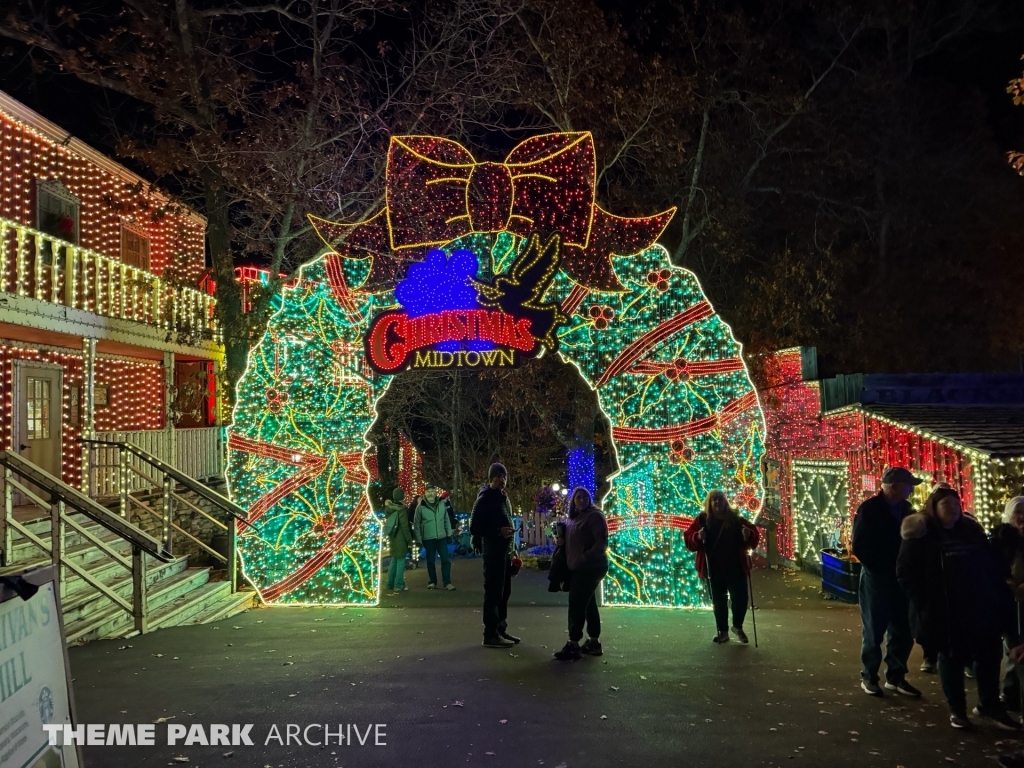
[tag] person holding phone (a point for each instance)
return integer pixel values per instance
(491, 527)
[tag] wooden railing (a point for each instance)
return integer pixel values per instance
(19, 474)
(134, 462)
(38, 265)
(198, 453)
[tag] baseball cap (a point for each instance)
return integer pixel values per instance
(900, 475)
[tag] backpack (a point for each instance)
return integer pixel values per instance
(391, 524)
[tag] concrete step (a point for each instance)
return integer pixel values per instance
(115, 622)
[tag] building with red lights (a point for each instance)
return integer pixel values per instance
(830, 440)
(104, 330)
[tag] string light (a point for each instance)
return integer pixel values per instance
(307, 398)
(75, 262)
(83, 269)
(865, 444)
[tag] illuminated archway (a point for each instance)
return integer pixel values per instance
(494, 244)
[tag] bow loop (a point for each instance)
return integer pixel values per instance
(437, 192)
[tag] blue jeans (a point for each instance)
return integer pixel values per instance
(396, 573)
(884, 612)
(433, 548)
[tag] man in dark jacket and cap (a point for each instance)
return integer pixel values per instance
(884, 608)
(491, 528)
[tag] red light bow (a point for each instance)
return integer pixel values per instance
(437, 192)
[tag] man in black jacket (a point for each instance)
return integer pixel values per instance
(884, 609)
(491, 528)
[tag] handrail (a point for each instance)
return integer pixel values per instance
(228, 508)
(200, 489)
(18, 474)
(74, 498)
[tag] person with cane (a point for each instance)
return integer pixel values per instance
(723, 540)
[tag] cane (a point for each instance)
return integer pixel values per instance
(753, 612)
(1020, 677)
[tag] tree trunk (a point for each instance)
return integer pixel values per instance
(228, 292)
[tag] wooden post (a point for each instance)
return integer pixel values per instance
(57, 543)
(88, 406)
(171, 441)
(168, 511)
(140, 609)
(6, 538)
(232, 554)
(122, 481)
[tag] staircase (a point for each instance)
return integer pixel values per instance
(101, 557)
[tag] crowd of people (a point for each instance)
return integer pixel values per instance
(935, 577)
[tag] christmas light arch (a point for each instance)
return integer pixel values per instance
(668, 372)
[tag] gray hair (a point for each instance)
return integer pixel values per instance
(1011, 507)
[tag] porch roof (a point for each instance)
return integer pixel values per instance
(997, 431)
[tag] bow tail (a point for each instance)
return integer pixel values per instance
(368, 239)
(611, 235)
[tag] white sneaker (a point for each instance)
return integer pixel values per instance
(871, 689)
(450, 587)
(431, 586)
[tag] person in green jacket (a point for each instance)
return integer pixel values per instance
(399, 534)
(433, 528)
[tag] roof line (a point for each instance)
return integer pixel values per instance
(18, 111)
(978, 453)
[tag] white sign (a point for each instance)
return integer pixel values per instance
(33, 683)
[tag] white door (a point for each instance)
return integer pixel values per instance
(37, 423)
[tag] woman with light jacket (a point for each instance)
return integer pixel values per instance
(586, 553)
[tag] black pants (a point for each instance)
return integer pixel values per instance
(724, 585)
(986, 660)
(497, 590)
(583, 603)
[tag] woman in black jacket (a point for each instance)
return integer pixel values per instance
(1008, 542)
(959, 599)
(586, 554)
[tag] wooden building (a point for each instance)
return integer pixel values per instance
(104, 331)
(830, 440)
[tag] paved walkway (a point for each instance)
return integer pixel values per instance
(662, 695)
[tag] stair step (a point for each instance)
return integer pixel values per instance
(24, 549)
(184, 609)
(82, 602)
(114, 621)
(228, 606)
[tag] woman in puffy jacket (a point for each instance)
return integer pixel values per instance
(959, 599)
(723, 540)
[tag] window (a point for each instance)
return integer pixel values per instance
(134, 247)
(57, 211)
(38, 400)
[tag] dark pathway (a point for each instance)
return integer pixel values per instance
(662, 695)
